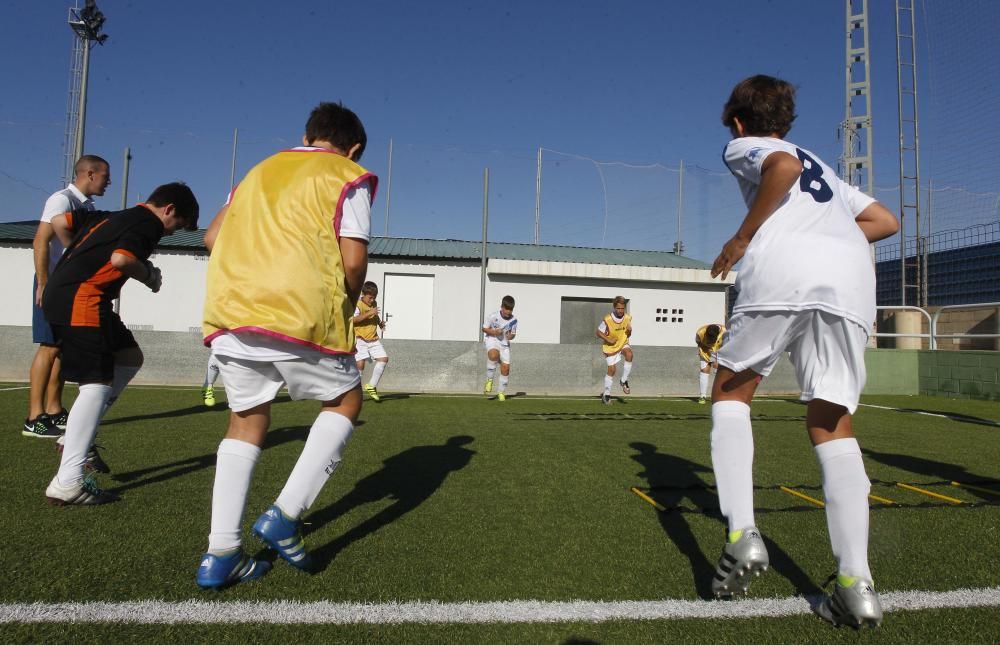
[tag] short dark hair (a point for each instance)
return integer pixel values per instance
(507, 302)
(712, 334)
(619, 300)
(369, 287)
(764, 105)
(178, 194)
(336, 124)
(88, 162)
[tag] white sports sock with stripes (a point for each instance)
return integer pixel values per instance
(503, 382)
(626, 370)
(320, 456)
(846, 487)
(703, 384)
(607, 384)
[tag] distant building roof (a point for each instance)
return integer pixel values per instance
(412, 248)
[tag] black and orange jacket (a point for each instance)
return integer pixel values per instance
(83, 284)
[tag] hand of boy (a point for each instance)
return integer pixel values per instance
(731, 253)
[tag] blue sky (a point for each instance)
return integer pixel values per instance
(458, 86)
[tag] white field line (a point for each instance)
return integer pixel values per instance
(940, 415)
(517, 611)
(11, 389)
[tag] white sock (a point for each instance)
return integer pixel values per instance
(211, 372)
(607, 384)
(626, 371)
(123, 376)
(491, 367)
(846, 488)
(703, 384)
(320, 457)
(732, 461)
(377, 373)
(503, 382)
(234, 466)
(81, 427)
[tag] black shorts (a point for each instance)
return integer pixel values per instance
(88, 353)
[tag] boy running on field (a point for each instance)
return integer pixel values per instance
(289, 254)
(367, 322)
(806, 286)
(499, 329)
(103, 250)
(615, 330)
(708, 338)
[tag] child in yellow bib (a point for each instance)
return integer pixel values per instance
(616, 330)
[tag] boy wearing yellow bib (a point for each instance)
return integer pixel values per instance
(289, 254)
(615, 330)
(367, 322)
(708, 338)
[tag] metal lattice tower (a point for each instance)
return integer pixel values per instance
(913, 271)
(72, 104)
(86, 24)
(856, 130)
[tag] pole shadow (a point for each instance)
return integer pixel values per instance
(931, 468)
(164, 472)
(675, 479)
(409, 478)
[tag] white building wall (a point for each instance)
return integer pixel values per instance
(456, 310)
(17, 269)
(456, 294)
(539, 303)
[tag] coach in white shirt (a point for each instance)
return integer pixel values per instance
(46, 415)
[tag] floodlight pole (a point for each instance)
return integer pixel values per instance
(482, 270)
(86, 23)
(538, 198)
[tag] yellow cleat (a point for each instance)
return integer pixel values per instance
(372, 392)
(501, 396)
(208, 396)
(488, 387)
(701, 400)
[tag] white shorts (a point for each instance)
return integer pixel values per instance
(702, 363)
(614, 359)
(369, 349)
(503, 349)
(827, 351)
(320, 377)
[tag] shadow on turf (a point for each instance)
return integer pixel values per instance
(675, 479)
(180, 412)
(931, 468)
(146, 476)
(409, 478)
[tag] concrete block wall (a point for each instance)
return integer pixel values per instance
(178, 358)
(965, 375)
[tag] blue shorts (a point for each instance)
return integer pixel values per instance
(41, 330)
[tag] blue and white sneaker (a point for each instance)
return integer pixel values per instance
(220, 571)
(284, 535)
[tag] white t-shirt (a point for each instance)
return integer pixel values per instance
(810, 253)
(63, 201)
(497, 321)
(355, 223)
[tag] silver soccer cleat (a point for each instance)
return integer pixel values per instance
(857, 605)
(741, 561)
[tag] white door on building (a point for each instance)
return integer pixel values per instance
(407, 306)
